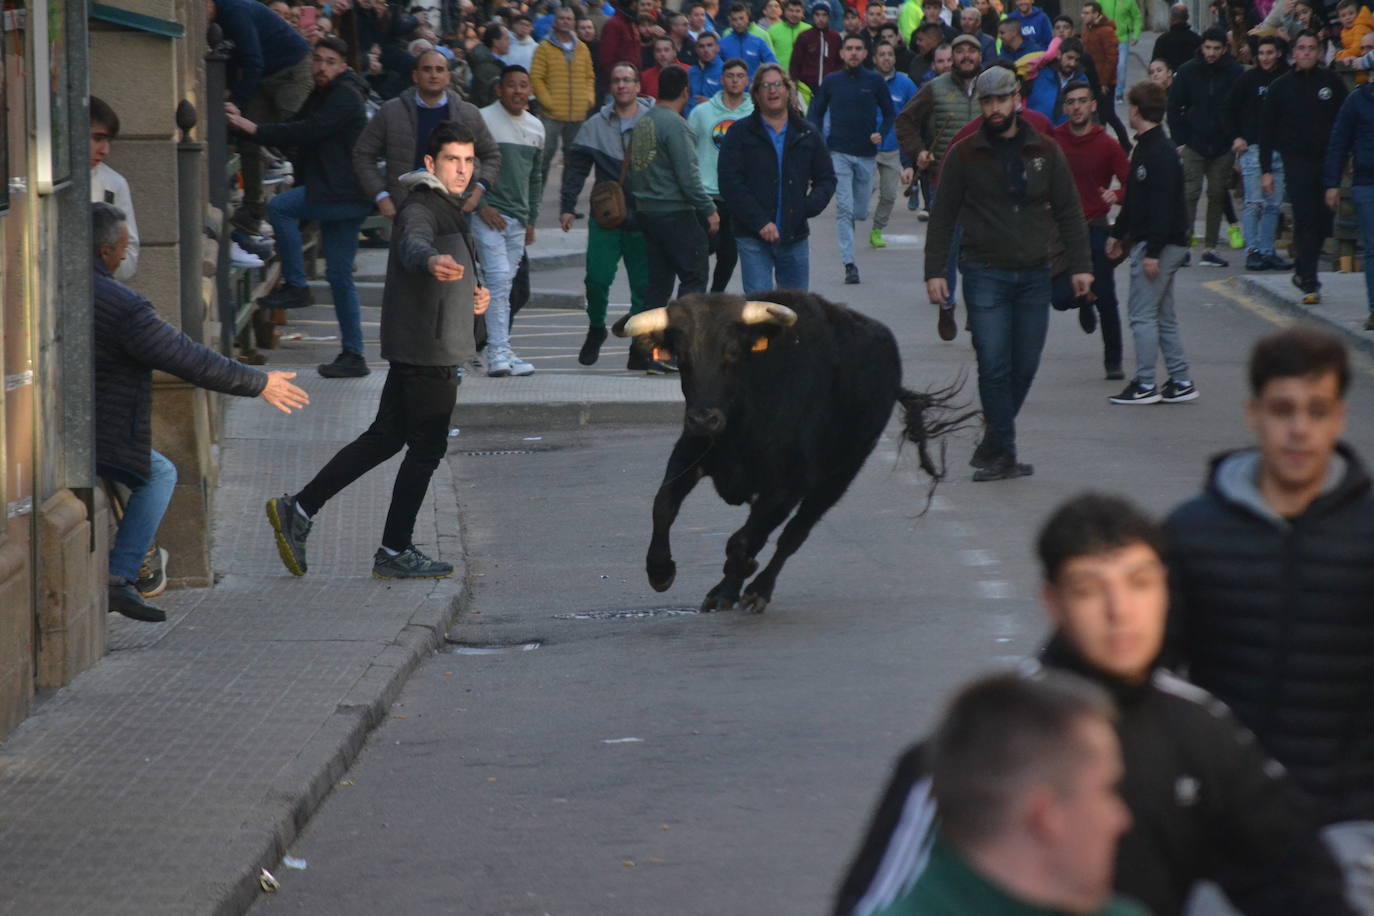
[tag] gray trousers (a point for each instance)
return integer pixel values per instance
(889, 177)
(1150, 309)
(554, 132)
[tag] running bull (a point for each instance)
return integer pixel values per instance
(785, 400)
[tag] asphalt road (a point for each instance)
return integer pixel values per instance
(680, 763)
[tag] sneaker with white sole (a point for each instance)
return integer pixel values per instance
(518, 367)
(152, 575)
(1176, 392)
(1212, 259)
(498, 364)
(1136, 393)
(240, 258)
(409, 564)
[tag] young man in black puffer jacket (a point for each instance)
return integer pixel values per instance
(1205, 802)
(430, 297)
(1272, 573)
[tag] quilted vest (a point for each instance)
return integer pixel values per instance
(953, 109)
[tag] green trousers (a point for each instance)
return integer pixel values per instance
(605, 248)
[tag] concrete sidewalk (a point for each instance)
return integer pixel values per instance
(1344, 307)
(164, 778)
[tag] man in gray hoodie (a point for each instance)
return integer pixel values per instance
(427, 333)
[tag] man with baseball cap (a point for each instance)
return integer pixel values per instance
(1005, 182)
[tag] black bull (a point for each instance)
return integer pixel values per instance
(786, 397)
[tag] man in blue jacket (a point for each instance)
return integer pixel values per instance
(857, 99)
(704, 77)
(273, 66)
(1035, 24)
(1354, 133)
(740, 42)
(131, 340)
(775, 174)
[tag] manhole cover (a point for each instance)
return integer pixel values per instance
(630, 613)
(498, 453)
(472, 648)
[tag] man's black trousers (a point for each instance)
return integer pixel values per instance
(675, 244)
(417, 402)
(1311, 218)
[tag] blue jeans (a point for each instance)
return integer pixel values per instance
(1260, 218)
(500, 253)
(760, 262)
(143, 513)
(1363, 195)
(1009, 314)
(1123, 56)
(339, 224)
(951, 265)
(854, 185)
(1154, 323)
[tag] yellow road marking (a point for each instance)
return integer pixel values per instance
(1250, 303)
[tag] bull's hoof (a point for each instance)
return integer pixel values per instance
(752, 603)
(661, 576)
(721, 598)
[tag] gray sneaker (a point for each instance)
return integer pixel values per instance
(409, 564)
(291, 529)
(518, 366)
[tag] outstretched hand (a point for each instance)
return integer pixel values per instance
(283, 395)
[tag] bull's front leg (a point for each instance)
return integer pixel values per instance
(764, 515)
(684, 470)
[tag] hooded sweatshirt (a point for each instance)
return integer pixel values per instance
(425, 322)
(1095, 159)
(601, 142)
(1248, 96)
(710, 122)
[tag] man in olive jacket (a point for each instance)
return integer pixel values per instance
(399, 134)
(430, 297)
(131, 340)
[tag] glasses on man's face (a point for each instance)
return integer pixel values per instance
(772, 86)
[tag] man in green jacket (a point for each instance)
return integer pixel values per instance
(783, 33)
(672, 207)
(1126, 15)
(1024, 771)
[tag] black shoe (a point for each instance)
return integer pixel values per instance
(409, 564)
(152, 575)
(983, 455)
(1115, 374)
(1003, 467)
(945, 325)
(287, 297)
(851, 274)
(125, 599)
(1256, 261)
(291, 529)
(660, 365)
(346, 365)
(591, 347)
(1212, 259)
(1187, 259)
(1136, 393)
(1087, 318)
(1177, 392)
(1277, 263)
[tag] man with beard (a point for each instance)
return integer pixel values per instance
(1245, 111)
(925, 130)
(1005, 182)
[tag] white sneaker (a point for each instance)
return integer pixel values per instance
(498, 364)
(240, 258)
(517, 365)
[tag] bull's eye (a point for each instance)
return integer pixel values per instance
(760, 344)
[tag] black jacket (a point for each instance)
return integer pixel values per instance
(131, 340)
(323, 133)
(1177, 46)
(1276, 617)
(1198, 113)
(425, 322)
(1246, 104)
(1299, 114)
(748, 173)
(1205, 805)
(1154, 211)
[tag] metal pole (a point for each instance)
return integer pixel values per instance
(217, 139)
(189, 156)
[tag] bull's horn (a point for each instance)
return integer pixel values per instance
(650, 322)
(768, 313)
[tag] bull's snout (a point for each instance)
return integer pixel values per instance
(710, 422)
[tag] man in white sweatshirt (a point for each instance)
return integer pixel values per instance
(710, 121)
(107, 185)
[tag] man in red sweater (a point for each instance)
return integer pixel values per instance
(665, 55)
(1094, 159)
(620, 39)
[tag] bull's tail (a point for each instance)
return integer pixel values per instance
(930, 415)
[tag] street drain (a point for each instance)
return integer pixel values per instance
(471, 648)
(630, 614)
(499, 453)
